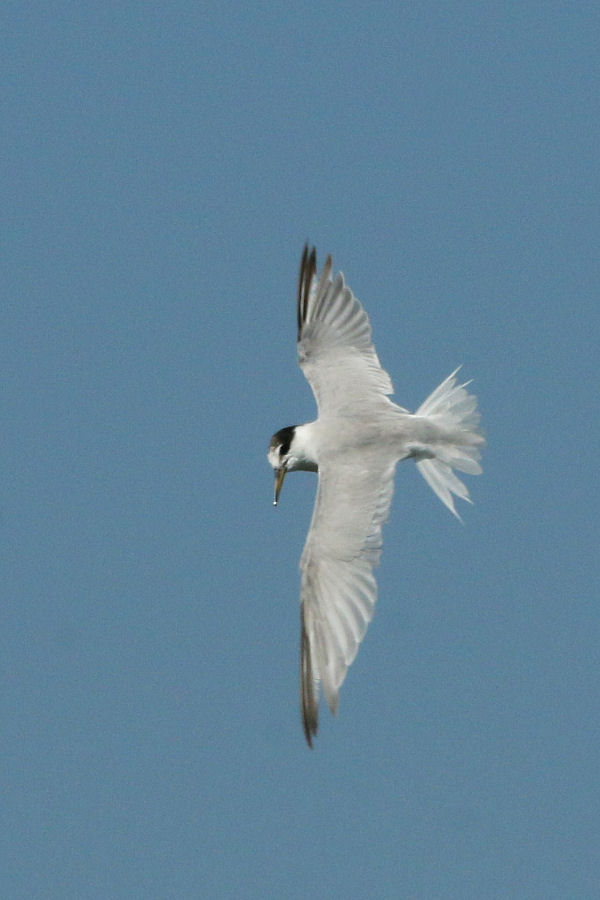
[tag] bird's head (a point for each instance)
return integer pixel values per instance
(290, 449)
(281, 457)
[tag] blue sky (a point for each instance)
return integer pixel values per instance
(163, 165)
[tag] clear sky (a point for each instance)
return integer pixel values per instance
(162, 166)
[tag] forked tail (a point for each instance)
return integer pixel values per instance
(451, 440)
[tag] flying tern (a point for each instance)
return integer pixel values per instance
(354, 445)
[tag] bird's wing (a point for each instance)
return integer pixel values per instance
(338, 586)
(335, 350)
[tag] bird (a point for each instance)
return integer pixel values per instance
(354, 445)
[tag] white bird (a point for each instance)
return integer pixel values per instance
(354, 445)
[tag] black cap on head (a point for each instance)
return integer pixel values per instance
(283, 438)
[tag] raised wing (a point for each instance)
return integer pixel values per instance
(338, 586)
(335, 350)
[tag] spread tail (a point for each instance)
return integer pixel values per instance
(450, 440)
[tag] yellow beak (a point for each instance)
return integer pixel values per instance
(279, 476)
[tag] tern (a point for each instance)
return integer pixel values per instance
(354, 445)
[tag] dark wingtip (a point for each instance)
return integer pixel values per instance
(308, 701)
(308, 267)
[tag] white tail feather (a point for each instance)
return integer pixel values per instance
(452, 440)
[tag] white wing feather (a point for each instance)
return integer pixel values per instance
(335, 349)
(339, 590)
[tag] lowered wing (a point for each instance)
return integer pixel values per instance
(339, 590)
